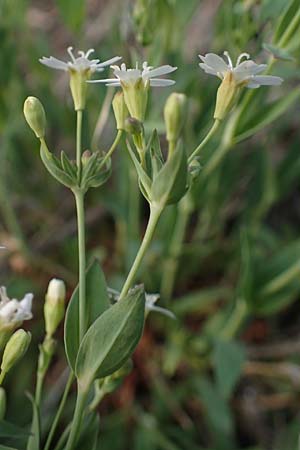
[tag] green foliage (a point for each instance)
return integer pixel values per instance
(98, 302)
(111, 339)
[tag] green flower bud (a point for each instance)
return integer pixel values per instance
(35, 116)
(54, 308)
(85, 157)
(120, 110)
(134, 126)
(15, 349)
(2, 403)
(174, 114)
(226, 96)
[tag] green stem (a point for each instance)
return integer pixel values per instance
(79, 197)
(59, 412)
(78, 142)
(175, 248)
(205, 140)
(112, 148)
(290, 30)
(155, 212)
(77, 419)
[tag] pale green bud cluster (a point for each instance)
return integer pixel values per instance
(174, 114)
(14, 350)
(120, 110)
(54, 308)
(35, 116)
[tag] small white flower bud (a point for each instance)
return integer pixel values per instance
(15, 348)
(35, 116)
(54, 308)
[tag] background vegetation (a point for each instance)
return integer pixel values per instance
(226, 374)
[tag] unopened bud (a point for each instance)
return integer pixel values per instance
(134, 126)
(78, 86)
(54, 308)
(15, 349)
(86, 156)
(2, 403)
(35, 116)
(226, 96)
(174, 114)
(120, 110)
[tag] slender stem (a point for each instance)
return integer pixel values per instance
(175, 248)
(112, 148)
(39, 388)
(79, 197)
(59, 412)
(77, 419)
(155, 213)
(78, 142)
(205, 140)
(63, 438)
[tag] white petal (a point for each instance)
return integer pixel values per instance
(162, 70)
(103, 80)
(252, 85)
(267, 80)
(208, 69)
(110, 61)
(54, 63)
(215, 62)
(26, 304)
(248, 68)
(161, 82)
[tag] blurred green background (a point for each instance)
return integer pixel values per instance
(226, 374)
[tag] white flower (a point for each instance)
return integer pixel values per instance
(131, 76)
(12, 311)
(80, 64)
(244, 73)
(56, 291)
(151, 299)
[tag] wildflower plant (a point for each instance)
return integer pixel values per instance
(103, 326)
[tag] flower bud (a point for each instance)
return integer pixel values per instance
(85, 157)
(54, 308)
(174, 114)
(226, 96)
(2, 403)
(35, 116)
(134, 126)
(15, 348)
(120, 110)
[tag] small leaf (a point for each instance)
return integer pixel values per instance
(67, 165)
(278, 53)
(228, 359)
(144, 179)
(97, 302)
(53, 166)
(170, 184)
(111, 340)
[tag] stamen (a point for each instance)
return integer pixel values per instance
(242, 55)
(229, 59)
(70, 51)
(89, 52)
